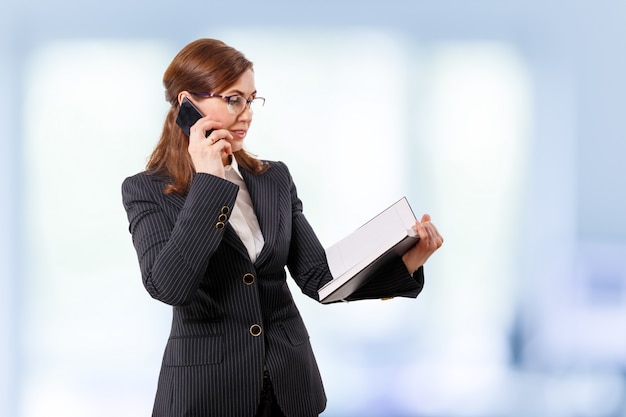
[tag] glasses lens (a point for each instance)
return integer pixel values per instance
(237, 104)
(256, 104)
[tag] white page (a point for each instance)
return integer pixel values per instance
(370, 240)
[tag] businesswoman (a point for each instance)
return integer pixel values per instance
(214, 229)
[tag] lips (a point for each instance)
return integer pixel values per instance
(238, 133)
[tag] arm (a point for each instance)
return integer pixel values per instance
(173, 257)
(404, 277)
(391, 280)
(307, 262)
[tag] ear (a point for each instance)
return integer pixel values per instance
(181, 95)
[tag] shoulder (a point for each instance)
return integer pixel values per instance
(275, 174)
(143, 183)
(276, 168)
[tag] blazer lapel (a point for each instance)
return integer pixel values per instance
(264, 197)
(231, 237)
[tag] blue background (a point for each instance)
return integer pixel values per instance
(524, 311)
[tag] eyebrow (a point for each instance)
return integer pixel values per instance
(241, 93)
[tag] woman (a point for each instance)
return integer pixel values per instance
(214, 229)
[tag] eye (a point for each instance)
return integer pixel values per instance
(237, 101)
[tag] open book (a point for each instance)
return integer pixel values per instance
(353, 259)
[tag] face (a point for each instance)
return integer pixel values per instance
(217, 109)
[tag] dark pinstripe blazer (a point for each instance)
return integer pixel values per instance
(232, 317)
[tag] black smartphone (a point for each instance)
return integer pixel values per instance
(188, 115)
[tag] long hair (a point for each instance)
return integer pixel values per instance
(203, 65)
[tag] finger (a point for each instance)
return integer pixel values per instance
(431, 229)
(214, 141)
(203, 128)
(434, 235)
(422, 231)
(421, 225)
(222, 145)
(429, 236)
(217, 135)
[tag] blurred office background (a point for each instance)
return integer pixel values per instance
(503, 119)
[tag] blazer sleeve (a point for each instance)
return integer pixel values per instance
(174, 254)
(391, 280)
(306, 262)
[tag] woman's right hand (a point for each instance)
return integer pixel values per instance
(209, 154)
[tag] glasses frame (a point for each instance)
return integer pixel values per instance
(248, 105)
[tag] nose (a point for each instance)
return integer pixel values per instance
(246, 113)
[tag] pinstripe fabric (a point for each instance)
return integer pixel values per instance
(214, 358)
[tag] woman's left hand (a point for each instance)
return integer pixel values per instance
(430, 241)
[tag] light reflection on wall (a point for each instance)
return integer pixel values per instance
(90, 334)
(474, 121)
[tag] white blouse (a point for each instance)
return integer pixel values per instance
(243, 219)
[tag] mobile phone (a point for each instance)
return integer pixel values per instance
(188, 115)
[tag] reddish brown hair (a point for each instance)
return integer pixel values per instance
(203, 65)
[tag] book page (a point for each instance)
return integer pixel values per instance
(370, 240)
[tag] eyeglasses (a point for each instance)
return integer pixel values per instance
(237, 104)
